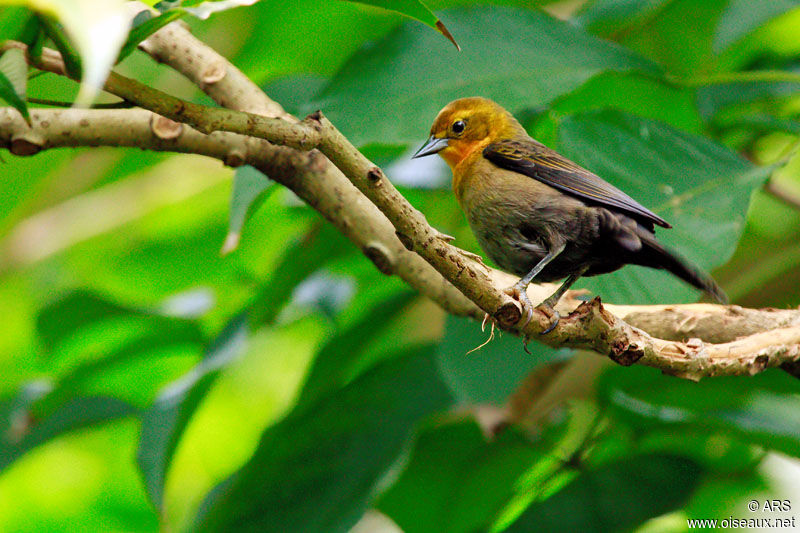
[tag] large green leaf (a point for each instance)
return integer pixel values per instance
(95, 346)
(663, 33)
(164, 422)
(743, 16)
(85, 326)
(614, 497)
(414, 9)
(713, 99)
(763, 410)
(62, 317)
(643, 96)
(286, 48)
(144, 361)
(77, 414)
(342, 357)
(700, 187)
(608, 17)
(317, 470)
(390, 92)
(466, 478)
(298, 261)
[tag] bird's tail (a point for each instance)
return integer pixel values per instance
(655, 255)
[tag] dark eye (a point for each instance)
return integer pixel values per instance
(458, 126)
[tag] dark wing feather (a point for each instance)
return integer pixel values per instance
(535, 160)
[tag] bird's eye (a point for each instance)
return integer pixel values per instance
(458, 126)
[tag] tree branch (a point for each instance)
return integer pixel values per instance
(323, 186)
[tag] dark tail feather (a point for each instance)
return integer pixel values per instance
(655, 255)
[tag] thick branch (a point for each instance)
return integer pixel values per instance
(323, 186)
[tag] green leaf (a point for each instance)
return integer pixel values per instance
(762, 123)
(491, 373)
(614, 497)
(638, 95)
(763, 409)
(520, 58)
(317, 470)
(607, 17)
(715, 451)
(203, 10)
(414, 9)
(661, 32)
(466, 478)
(250, 187)
(322, 292)
(744, 16)
(713, 99)
(163, 337)
(83, 321)
(702, 188)
(13, 21)
(301, 258)
(72, 312)
(295, 91)
(77, 414)
(72, 60)
(96, 29)
(164, 422)
(340, 358)
(95, 346)
(144, 25)
(147, 22)
(14, 80)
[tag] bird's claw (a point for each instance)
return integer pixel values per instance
(552, 314)
(521, 295)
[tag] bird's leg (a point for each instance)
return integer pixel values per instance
(519, 290)
(548, 306)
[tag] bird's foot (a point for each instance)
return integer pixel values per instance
(551, 313)
(520, 294)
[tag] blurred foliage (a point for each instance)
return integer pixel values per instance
(152, 382)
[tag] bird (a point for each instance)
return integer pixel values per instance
(541, 216)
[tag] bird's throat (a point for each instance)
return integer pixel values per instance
(462, 151)
(460, 156)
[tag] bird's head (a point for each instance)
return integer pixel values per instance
(467, 125)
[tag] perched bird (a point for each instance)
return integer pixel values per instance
(539, 215)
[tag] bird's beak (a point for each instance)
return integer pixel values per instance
(431, 146)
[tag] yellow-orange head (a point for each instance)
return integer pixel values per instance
(465, 126)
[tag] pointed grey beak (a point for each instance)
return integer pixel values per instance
(431, 146)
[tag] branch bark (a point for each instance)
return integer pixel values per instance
(355, 195)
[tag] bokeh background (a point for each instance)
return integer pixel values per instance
(141, 367)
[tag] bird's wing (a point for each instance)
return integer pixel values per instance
(535, 160)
